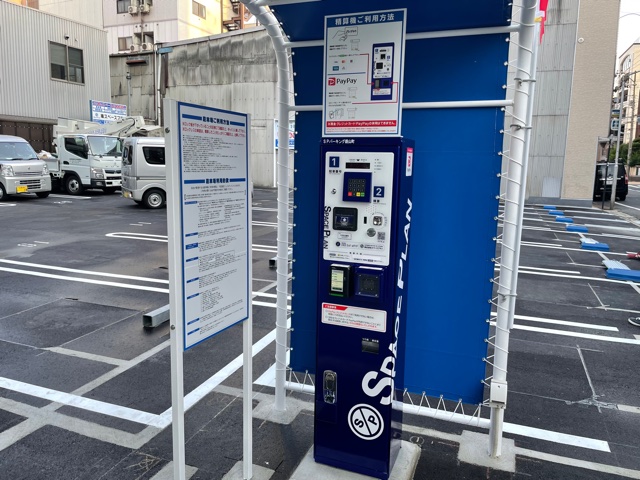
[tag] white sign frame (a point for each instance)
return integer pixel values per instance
(175, 213)
(358, 99)
(207, 187)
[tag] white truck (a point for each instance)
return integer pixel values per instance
(89, 155)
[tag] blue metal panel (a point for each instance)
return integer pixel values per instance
(305, 21)
(456, 166)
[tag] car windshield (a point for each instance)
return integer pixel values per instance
(603, 168)
(111, 146)
(16, 151)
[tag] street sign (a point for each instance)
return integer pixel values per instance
(106, 112)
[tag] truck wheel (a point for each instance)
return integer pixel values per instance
(3, 193)
(73, 185)
(622, 198)
(153, 199)
(42, 194)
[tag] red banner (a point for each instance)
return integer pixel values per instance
(543, 17)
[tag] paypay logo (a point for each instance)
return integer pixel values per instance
(332, 81)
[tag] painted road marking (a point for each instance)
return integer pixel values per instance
(84, 272)
(55, 195)
(562, 322)
(566, 333)
(138, 416)
(628, 206)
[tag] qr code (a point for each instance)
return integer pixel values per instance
(382, 236)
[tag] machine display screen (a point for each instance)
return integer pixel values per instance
(345, 219)
(358, 165)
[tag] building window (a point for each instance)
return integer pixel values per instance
(198, 9)
(626, 64)
(124, 43)
(66, 63)
(123, 6)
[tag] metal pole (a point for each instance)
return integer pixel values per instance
(523, 174)
(128, 93)
(509, 262)
(266, 18)
(634, 118)
(612, 200)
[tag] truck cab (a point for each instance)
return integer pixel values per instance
(144, 174)
(88, 161)
(20, 169)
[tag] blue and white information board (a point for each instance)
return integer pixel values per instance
(214, 224)
(363, 70)
(105, 112)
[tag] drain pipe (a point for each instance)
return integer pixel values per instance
(266, 18)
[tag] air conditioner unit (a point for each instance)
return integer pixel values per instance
(134, 48)
(146, 46)
(133, 10)
(144, 8)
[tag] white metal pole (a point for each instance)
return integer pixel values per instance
(266, 18)
(247, 340)
(508, 263)
(175, 292)
(523, 173)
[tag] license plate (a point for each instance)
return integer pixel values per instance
(22, 189)
(610, 181)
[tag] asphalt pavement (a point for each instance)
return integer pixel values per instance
(85, 389)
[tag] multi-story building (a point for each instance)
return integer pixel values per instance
(51, 67)
(135, 25)
(627, 93)
(573, 100)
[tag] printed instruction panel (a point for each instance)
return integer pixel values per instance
(364, 62)
(354, 317)
(215, 220)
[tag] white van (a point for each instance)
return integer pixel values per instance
(144, 174)
(20, 169)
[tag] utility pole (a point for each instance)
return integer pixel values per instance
(634, 119)
(612, 201)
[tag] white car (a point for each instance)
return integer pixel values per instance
(21, 171)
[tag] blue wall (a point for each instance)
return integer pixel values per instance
(455, 187)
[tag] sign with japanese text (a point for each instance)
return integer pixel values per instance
(363, 70)
(105, 112)
(214, 221)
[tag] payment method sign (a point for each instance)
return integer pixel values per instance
(363, 68)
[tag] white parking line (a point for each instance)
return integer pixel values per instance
(566, 333)
(55, 195)
(562, 322)
(628, 206)
(138, 416)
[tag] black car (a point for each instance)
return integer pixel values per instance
(604, 180)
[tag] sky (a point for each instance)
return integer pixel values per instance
(629, 26)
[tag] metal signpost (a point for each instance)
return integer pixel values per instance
(209, 219)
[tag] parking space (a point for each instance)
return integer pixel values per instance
(85, 390)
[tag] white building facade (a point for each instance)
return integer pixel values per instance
(51, 67)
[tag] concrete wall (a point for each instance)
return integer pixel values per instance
(591, 94)
(235, 71)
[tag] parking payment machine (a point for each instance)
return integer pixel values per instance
(363, 279)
